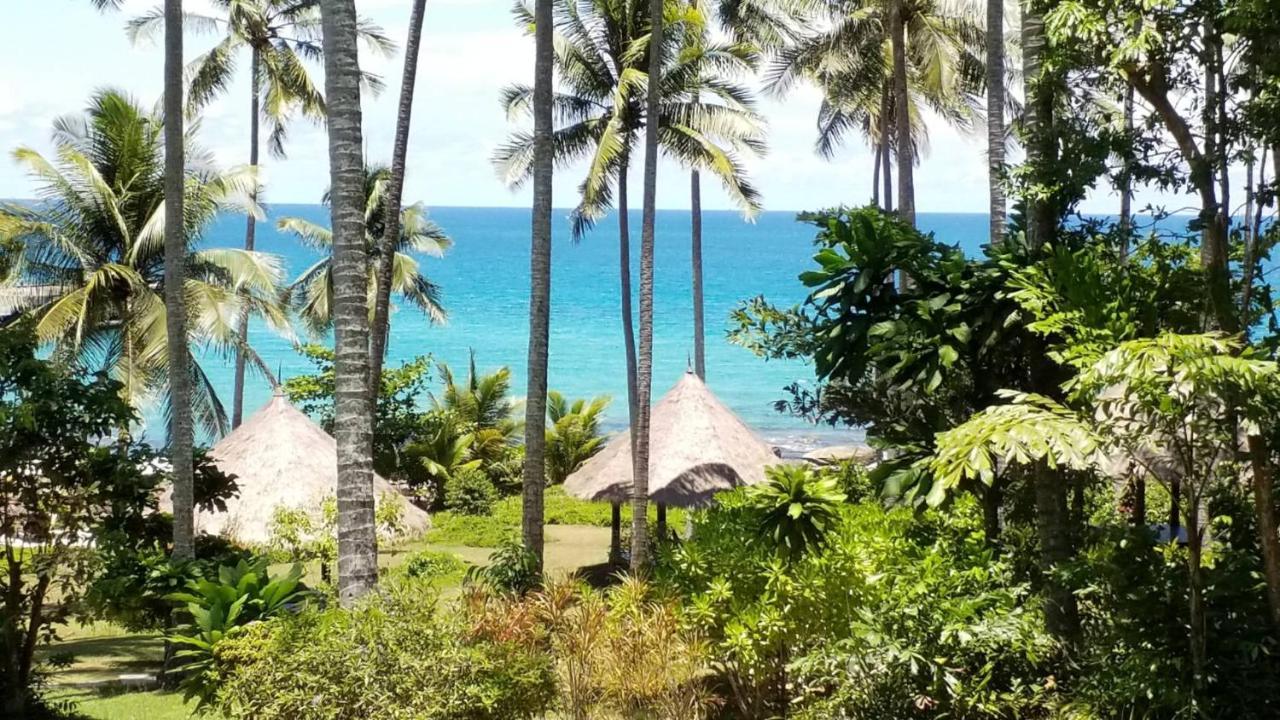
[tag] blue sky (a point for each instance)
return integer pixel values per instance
(54, 53)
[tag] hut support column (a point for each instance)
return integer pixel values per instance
(615, 535)
(662, 522)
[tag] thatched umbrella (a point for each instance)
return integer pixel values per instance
(282, 458)
(697, 448)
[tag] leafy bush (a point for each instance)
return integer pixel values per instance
(415, 663)
(511, 569)
(894, 614)
(242, 594)
(470, 491)
(561, 509)
(429, 564)
(623, 653)
(794, 507)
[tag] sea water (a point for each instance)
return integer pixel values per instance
(484, 280)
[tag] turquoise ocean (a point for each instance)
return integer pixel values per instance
(485, 283)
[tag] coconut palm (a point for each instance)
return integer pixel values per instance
(312, 293)
(385, 270)
(542, 168)
(280, 36)
(600, 52)
(848, 52)
(353, 412)
(995, 118)
(96, 243)
(573, 434)
(181, 426)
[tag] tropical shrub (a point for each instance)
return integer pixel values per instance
(470, 530)
(573, 434)
(794, 507)
(220, 607)
(430, 564)
(620, 653)
(298, 535)
(892, 615)
(415, 663)
(470, 492)
(511, 569)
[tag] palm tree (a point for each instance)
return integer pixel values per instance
(644, 359)
(600, 51)
(849, 53)
(97, 243)
(385, 270)
(573, 434)
(353, 411)
(312, 293)
(542, 157)
(181, 426)
(714, 64)
(280, 35)
(995, 118)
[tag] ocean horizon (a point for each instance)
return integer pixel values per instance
(484, 280)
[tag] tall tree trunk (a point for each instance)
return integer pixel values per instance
(1126, 177)
(1195, 577)
(644, 361)
(875, 173)
(395, 193)
(1049, 485)
(535, 472)
(699, 329)
(615, 534)
(1264, 502)
(995, 118)
(353, 413)
(902, 114)
(250, 233)
(886, 143)
(175, 274)
(624, 289)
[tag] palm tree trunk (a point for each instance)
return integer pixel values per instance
(886, 146)
(644, 361)
(624, 286)
(615, 534)
(250, 232)
(875, 173)
(699, 328)
(995, 117)
(1126, 177)
(902, 114)
(175, 254)
(1062, 616)
(353, 414)
(395, 192)
(539, 286)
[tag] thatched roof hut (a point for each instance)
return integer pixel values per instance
(697, 448)
(282, 458)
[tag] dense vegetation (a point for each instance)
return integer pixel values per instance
(1073, 514)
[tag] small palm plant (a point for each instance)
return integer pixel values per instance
(242, 594)
(573, 434)
(796, 508)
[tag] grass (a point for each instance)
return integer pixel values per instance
(155, 705)
(561, 509)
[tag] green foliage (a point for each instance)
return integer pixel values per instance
(469, 530)
(511, 569)
(398, 417)
(95, 238)
(221, 607)
(59, 482)
(415, 662)
(431, 565)
(561, 509)
(469, 491)
(897, 613)
(620, 653)
(794, 507)
(573, 434)
(298, 535)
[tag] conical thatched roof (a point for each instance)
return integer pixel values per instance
(281, 457)
(697, 447)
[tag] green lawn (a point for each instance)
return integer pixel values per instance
(102, 652)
